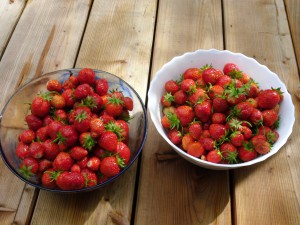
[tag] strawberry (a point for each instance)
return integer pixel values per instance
(246, 152)
(78, 153)
(53, 128)
(218, 118)
(82, 121)
(49, 178)
(243, 110)
(223, 80)
(70, 181)
(246, 131)
(235, 92)
(195, 130)
(122, 130)
(256, 116)
(253, 90)
(101, 87)
(114, 106)
(210, 76)
(68, 95)
(54, 85)
(63, 162)
(171, 86)
(192, 73)
(44, 164)
(229, 152)
(90, 177)
(196, 96)
(42, 134)
(82, 163)
(188, 85)
(93, 163)
(217, 131)
(187, 139)
(128, 103)
(96, 127)
(167, 100)
(123, 154)
(58, 101)
(86, 141)
(82, 91)
(268, 99)
(51, 149)
(215, 91)
(40, 106)
(263, 148)
(86, 76)
(36, 150)
(93, 101)
(195, 149)
(270, 117)
(68, 135)
(75, 168)
(229, 67)
(185, 114)
(22, 150)
(108, 141)
(214, 156)
(109, 166)
(207, 143)
(47, 120)
(175, 136)
(170, 121)
(237, 138)
(28, 167)
(26, 136)
(203, 110)
(33, 122)
(61, 115)
(180, 97)
(71, 83)
(219, 105)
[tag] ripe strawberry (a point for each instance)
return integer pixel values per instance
(68, 95)
(195, 130)
(268, 99)
(22, 150)
(167, 100)
(223, 80)
(70, 181)
(188, 85)
(175, 136)
(68, 135)
(96, 127)
(121, 129)
(40, 106)
(185, 114)
(243, 110)
(54, 85)
(26, 136)
(229, 152)
(36, 150)
(28, 167)
(51, 149)
(47, 120)
(256, 116)
(90, 177)
(33, 122)
(215, 91)
(49, 178)
(86, 141)
(195, 149)
(78, 153)
(123, 154)
(82, 91)
(246, 152)
(197, 96)
(62, 161)
(114, 106)
(270, 117)
(220, 105)
(203, 111)
(101, 87)
(109, 166)
(93, 163)
(253, 90)
(229, 67)
(218, 118)
(53, 128)
(263, 148)
(210, 76)
(75, 168)
(82, 163)
(207, 143)
(42, 134)
(71, 83)
(180, 97)
(171, 86)
(60, 115)
(86, 76)
(128, 103)
(187, 139)
(58, 102)
(82, 122)
(44, 164)
(217, 131)
(237, 138)
(192, 73)
(246, 131)
(93, 101)
(108, 141)
(258, 139)
(214, 156)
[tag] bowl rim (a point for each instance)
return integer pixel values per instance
(109, 180)
(197, 161)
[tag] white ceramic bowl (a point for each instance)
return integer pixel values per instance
(260, 73)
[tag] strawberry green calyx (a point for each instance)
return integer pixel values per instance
(206, 66)
(232, 157)
(234, 123)
(26, 171)
(60, 139)
(175, 122)
(248, 146)
(271, 137)
(235, 74)
(111, 126)
(120, 161)
(277, 122)
(81, 116)
(89, 142)
(114, 100)
(232, 91)
(89, 101)
(169, 98)
(48, 95)
(87, 180)
(53, 174)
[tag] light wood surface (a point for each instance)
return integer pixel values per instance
(181, 193)
(122, 46)
(278, 175)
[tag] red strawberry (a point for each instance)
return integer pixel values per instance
(22, 150)
(68, 95)
(188, 85)
(207, 143)
(86, 76)
(114, 106)
(82, 163)
(63, 161)
(171, 86)
(67, 134)
(108, 141)
(49, 178)
(195, 149)
(109, 166)
(220, 105)
(203, 111)
(243, 110)
(214, 156)
(28, 167)
(215, 91)
(36, 150)
(42, 134)
(90, 177)
(58, 102)
(195, 130)
(246, 152)
(82, 122)
(175, 136)
(268, 99)
(185, 114)
(237, 138)
(54, 85)
(86, 141)
(71, 83)
(123, 154)
(223, 80)
(218, 118)
(167, 100)
(101, 87)
(53, 128)
(51, 149)
(82, 91)
(78, 153)
(270, 117)
(210, 76)
(70, 181)
(246, 131)
(33, 122)
(180, 97)
(44, 164)
(61, 115)
(26, 136)
(258, 139)
(263, 148)
(96, 127)
(93, 163)
(75, 168)
(40, 106)
(217, 131)
(229, 152)
(121, 128)
(192, 73)
(229, 67)
(256, 116)
(128, 103)
(197, 96)
(47, 120)
(187, 139)
(253, 90)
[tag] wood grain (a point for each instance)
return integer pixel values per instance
(46, 38)
(293, 13)
(10, 12)
(267, 193)
(171, 190)
(118, 39)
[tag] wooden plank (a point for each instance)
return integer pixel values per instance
(267, 193)
(46, 38)
(293, 13)
(10, 12)
(171, 190)
(118, 39)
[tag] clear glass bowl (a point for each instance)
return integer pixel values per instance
(12, 121)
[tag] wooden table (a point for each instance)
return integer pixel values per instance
(133, 39)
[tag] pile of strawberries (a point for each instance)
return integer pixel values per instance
(77, 133)
(221, 116)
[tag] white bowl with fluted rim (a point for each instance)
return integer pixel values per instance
(218, 58)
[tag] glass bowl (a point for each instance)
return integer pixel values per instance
(218, 58)
(13, 121)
